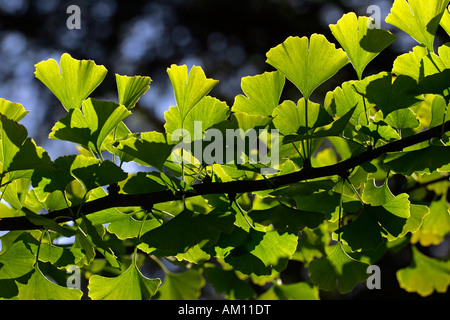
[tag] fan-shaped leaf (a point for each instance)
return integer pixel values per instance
(307, 63)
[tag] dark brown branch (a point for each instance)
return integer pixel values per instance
(240, 186)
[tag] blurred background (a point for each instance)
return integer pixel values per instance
(227, 38)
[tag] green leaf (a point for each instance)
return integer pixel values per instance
(12, 110)
(130, 89)
(388, 94)
(376, 222)
(256, 252)
(361, 43)
(95, 235)
(130, 285)
(425, 275)
(290, 119)
(91, 127)
(340, 101)
(336, 129)
(186, 230)
(307, 63)
(445, 21)
(376, 196)
(74, 82)
(285, 218)
(17, 261)
(182, 286)
(439, 112)
(91, 172)
(295, 291)
(409, 64)
(126, 227)
(337, 268)
(17, 152)
(436, 225)
(189, 90)
(262, 94)
(39, 287)
(150, 149)
(420, 19)
(226, 281)
(207, 112)
(424, 160)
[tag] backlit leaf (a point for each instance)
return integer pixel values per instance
(130, 285)
(307, 62)
(189, 90)
(71, 82)
(262, 94)
(361, 43)
(420, 19)
(425, 275)
(337, 269)
(39, 287)
(90, 127)
(181, 286)
(130, 89)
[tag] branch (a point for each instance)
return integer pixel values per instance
(239, 186)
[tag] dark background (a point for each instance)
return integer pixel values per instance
(227, 38)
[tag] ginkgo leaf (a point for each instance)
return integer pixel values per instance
(424, 160)
(361, 43)
(262, 94)
(290, 118)
(375, 223)
(127, 227)
(39, 287)
(186, 230)
(130, 285)
(307, 62)
(130, 89)
(71, 82)
(181, 286)
(256, 252)
(285, 218)
(17, 152)
(16, 261)
(420, 19)
(387, 93)
(189, 90)
(12, 110)
(445, 21)
(90, 127)
(294, 291)
(226, 281)
(150, 149)
(425, 275)
(337, 269)
(91, 172)
(409, 64)
(208, 112)
(436, 225)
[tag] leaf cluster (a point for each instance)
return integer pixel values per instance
(326, 203)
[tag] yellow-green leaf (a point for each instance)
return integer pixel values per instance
(71, 82)
(425, 275)
(361, 43)
(420, 19)
(307, 62)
